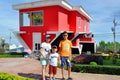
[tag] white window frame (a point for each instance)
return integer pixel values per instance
(22, 19)
(31, 20)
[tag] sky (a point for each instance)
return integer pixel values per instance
(102, 12)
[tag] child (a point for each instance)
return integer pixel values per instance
(53, 60)
(65, 46)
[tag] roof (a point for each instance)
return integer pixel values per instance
(43, 3)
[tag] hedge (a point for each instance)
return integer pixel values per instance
(113, 70)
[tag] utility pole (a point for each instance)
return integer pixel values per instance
(114, 34)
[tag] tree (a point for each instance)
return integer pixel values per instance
(108, 46)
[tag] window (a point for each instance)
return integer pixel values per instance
(25, 19)
(37, 46)
(31, 18)
(37, 18)
(79, 22)
(85, 27)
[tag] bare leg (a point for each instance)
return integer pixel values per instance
(43, 72)
(54, 75)
(50, 76)
(69, 71)
(62, 70)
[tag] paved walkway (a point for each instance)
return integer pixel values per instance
(31, 68)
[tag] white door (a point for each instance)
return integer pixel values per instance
(36, 41)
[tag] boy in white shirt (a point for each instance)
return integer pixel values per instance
(53, 61)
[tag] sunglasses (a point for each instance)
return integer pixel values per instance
(65, 35)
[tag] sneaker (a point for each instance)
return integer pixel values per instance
(54, 79)
(69, 79)
(63, 79)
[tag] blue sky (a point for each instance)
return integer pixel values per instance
(101, 11)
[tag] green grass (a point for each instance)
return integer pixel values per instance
(10, 56)
(6, 76)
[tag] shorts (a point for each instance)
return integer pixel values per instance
(65, 61)
(43, 61)
(52, 69)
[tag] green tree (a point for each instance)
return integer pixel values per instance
(101, 46)
(108, 46)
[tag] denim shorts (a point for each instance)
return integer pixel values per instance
(65, 61)
(43, 61)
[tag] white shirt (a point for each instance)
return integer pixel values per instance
(53, 59)
(46, 48)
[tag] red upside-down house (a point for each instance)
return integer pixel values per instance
(36, 19)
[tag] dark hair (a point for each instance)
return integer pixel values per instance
(54, 46)
(65, 32)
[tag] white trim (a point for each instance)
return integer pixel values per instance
(67, 5)
(82, 11)
(19, 32)
(17, 35)
(45, 3)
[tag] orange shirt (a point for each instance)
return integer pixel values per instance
(65, 47)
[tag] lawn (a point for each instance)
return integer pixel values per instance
(10, 56)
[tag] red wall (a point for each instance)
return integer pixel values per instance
(63, 15)
(88, 26)
(72, 20)
(83, 19)
(87, 39)
(27, 38)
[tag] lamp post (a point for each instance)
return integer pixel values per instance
(3, 41)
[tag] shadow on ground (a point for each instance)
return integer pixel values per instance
(31, 75)
(34, 76)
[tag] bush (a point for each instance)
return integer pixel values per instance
(93, 63)
(6, 76)
(113, 70)
(86, 59)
